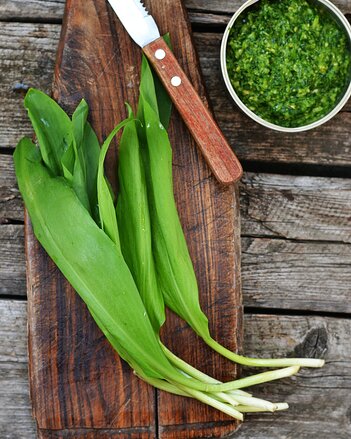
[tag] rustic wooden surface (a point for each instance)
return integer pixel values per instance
(97, 60)
(295, 207)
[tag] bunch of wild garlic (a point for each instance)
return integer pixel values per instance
(127, 262)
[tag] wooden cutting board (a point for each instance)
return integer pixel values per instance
(79, 386)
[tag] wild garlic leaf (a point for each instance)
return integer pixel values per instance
(67, 163)
(79, 119)
(81, 160)
(91, 151)
(164, 103)
(175, 271)
(79, 181)
(52, 127)
(107, 212)
(152, 90)
(134, 223)
(89, 260)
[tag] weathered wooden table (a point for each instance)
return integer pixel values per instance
(296, 233)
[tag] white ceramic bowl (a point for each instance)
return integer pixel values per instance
(345, 24)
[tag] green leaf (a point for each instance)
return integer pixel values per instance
(79, 180)
(152, 90)
(147, 88)
(134, 224)
(79, 119)
(82, 160)
(164, 103)
(67, 162)
(92, 153)
(89, 260)
(52, 127)
(107, 210)
(174, 267)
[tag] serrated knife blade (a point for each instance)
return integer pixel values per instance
(138, 22)
(143, 30)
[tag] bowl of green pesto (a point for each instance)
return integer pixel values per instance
(287, 63)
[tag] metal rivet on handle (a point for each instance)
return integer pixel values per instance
(160, 54)
(176, 81)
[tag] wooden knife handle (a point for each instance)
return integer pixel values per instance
(216, 150)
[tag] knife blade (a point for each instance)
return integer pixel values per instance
(143, 29)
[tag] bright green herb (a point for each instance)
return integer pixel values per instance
(107, 212)
(134, 224)
(115, 264)
(288, 61)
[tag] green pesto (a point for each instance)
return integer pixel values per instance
(288, 61)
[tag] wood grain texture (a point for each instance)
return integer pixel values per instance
(197, 117)
(76, 379)
(306, 265)
(49, 10)
(278, 206)
(11, 206)
(276, 273)
(289, 207)
(319, 400)
(210, 20)
(27, 58)
(283, 274)
(70, 363)
(16, 420)
(46, 10)
(12, 261)
(27, 54)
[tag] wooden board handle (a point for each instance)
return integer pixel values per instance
(208, 136)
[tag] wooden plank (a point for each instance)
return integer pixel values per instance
(27, 56)
(296, 275)
(208, 19)
(290, 207)
(43, 10)
(319, 399)
(209, 214)
(15, 415)
(276, 273)
(12, 261)
(52, 11)
(280, 206)
(49, 10)
(67, 356)
(74, 372)
(11, 206)
(27, 53)
(312, 391)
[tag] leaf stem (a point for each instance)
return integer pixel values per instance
(263, 362)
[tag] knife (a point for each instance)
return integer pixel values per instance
(143, 30)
